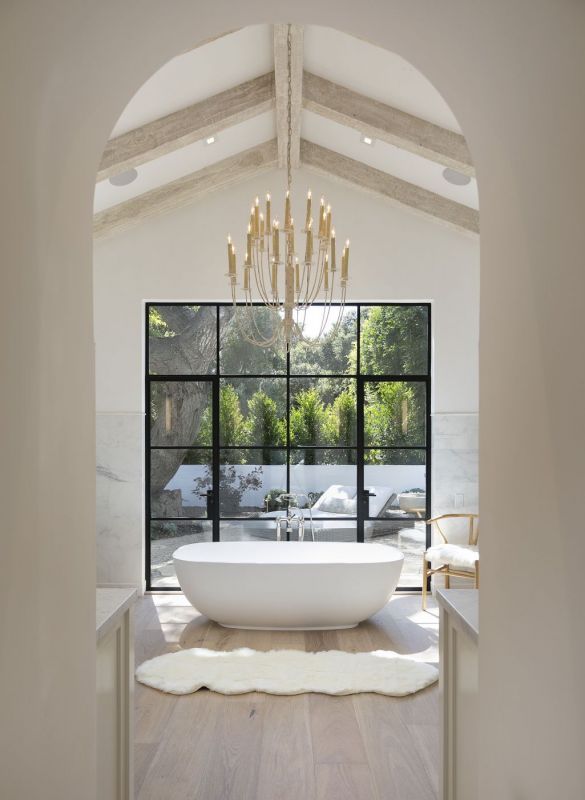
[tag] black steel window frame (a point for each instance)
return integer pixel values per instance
(215, 380)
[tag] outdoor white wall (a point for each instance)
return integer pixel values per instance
(304, 479)
(513, 73)
(396, 255)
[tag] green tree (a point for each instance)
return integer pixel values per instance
(310, 422)
(331, 353)
(344, 419)
(237, 355)
(393, 341)
(264, 426)
(394, 415)
(232, 425)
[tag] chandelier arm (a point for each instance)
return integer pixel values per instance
(259, 286)
(313, 281)
(259, 281)
(318, 280)
(261, 340)
(307, 278)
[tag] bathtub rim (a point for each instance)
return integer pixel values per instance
(386, 554)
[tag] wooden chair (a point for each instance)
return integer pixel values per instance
(455, 560)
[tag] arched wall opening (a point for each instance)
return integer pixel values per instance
(175, 254)
(500, 70)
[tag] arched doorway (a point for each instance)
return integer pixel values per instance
(495, 66)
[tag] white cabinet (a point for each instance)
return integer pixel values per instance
(114, 684)
(459, 692)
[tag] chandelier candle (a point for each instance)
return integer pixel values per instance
(275, 277)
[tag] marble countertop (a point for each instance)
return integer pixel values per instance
(111, 603)
(463, 606)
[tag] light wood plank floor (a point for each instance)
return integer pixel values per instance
(206, 746)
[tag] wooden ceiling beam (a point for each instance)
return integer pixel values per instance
(281, 82)
(186, 190)
(188, 125)
(386, 123)
(355, 173)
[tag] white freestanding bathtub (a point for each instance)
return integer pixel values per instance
(288, 585)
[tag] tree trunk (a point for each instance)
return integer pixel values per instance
(176, 407)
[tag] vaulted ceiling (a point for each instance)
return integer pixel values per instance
(217, 115)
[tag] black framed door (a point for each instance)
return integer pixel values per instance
(394, 461)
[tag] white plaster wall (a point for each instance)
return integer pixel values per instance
(396, 255)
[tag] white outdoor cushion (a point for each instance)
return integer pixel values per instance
(458, 556)
(337, 499)
(377, 503)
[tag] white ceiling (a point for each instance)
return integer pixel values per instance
(376, 73)
(200, 73)
(247, 53)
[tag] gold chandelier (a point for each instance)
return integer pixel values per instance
(275, 276)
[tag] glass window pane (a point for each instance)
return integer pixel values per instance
(178, 479)
(397, 479)
(182, 340)
(264, 528)
(252, 411)
(323, 412)
(334, 351)
(247, 530)
(249, 483)
(332, 530)
(180, 413)
(326, 480)
(409, 536)
(394, 414)
(238, 355)
(394, 340)
(165, 538)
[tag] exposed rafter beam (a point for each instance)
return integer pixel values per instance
(281, 78)
(185, 190)
(188, 125)
(388, 124)
(355, 173)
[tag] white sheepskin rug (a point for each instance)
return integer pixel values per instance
(286, 672)
(456, 555)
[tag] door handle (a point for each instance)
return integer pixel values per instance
(210, 501)
(366, 501)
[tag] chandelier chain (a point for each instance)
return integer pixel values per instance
(289, 107)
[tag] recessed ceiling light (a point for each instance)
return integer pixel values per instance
(210, 139)
(456, 178)
(367, 140)
(124, 178)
